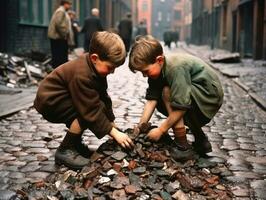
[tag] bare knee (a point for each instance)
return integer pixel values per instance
(75, 127)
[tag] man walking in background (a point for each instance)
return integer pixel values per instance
(125, 30)
(142, 28)
(59, 33)
(91, 25)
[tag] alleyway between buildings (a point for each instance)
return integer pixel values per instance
(237, 133)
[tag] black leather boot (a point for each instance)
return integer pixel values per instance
(67, 153)
(181, 153)
(202, 145)
(82, 148)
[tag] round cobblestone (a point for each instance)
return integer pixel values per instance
(237, 134)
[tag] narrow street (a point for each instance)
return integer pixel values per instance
(237, 134)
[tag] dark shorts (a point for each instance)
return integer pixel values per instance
(190, 115)
(66, 116)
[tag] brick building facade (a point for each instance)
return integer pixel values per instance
(24, 23)
(235, 25)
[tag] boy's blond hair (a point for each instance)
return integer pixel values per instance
(144, 52)
(109, 47)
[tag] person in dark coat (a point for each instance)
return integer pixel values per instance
(125, 30)
(141, 29)
(167, 38)
(75, 94)
(91, 25)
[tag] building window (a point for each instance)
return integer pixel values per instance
(168, 19)
(144, 6)
(177, 14)
(35, 12)
(159, 16)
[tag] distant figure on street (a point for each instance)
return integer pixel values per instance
(167, 38)
(175, 37)
(75, 28)
(170, 36)
(91, 25)
(141, 29)
(125, 30)
(60, 33)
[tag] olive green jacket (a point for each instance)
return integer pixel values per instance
(189, 77)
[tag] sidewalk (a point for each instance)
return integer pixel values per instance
(14, 100)
(249, 74)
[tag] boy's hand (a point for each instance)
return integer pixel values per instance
(122, 139)
(155, 134)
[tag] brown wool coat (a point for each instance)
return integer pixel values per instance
(75, 90)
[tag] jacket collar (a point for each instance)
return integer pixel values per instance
(91, 65)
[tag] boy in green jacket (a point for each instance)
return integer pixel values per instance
(75, 94)
(182, 87)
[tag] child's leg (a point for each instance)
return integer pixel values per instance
(71, 152)
(179, 128)
(75, 127)
(195, 120)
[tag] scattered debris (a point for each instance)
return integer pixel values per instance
(23, 72)
(146, 172)
(226, 58)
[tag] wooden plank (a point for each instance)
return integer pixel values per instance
(10, 104)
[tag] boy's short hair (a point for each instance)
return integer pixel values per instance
(109, 47)
(144, 52)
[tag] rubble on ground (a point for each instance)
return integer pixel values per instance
(24, 70)
(147, 172)
(225, 58)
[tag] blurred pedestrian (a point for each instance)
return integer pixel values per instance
(125, 30)
(142, 28)
(182, 87)
(60, 33)
(91, 25)
(75, 28)
(76, 94)
(167, 38)
(175, 37)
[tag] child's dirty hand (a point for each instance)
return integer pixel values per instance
(136, 130)
(155, 134)
(122, 139)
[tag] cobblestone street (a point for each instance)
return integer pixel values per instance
(237, 134)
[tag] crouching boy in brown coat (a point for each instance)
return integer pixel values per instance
(75, 94)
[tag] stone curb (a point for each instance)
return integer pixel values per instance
(260, 101)
(254, 96)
